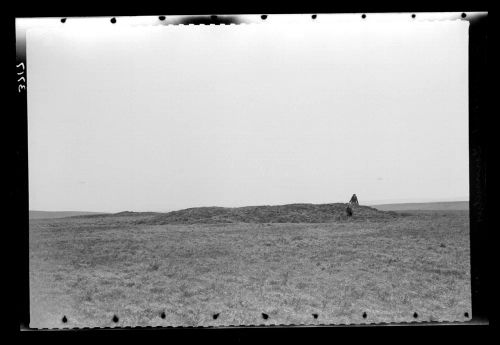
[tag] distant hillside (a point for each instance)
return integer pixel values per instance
(58, 214)
(293, 213)
(425, 206)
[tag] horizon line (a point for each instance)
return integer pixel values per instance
(369, 203)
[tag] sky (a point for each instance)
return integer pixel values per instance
(171, 117)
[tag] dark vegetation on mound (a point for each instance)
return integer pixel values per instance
(293, 213)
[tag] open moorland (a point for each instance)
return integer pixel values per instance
(297, 264)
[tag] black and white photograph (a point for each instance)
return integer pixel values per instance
(281, 169)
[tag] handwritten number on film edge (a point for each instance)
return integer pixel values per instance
(21, 80)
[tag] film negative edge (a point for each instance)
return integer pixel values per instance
(277, 325)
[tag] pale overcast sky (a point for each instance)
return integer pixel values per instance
(170, 117)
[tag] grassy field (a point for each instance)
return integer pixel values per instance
(90, 269)
(425, 206)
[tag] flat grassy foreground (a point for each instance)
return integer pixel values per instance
(90, 269)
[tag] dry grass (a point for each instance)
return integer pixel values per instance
(291, 213)
(90, 269)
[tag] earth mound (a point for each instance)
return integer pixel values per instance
(293, 213)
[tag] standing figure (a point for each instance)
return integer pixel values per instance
(354, 200)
